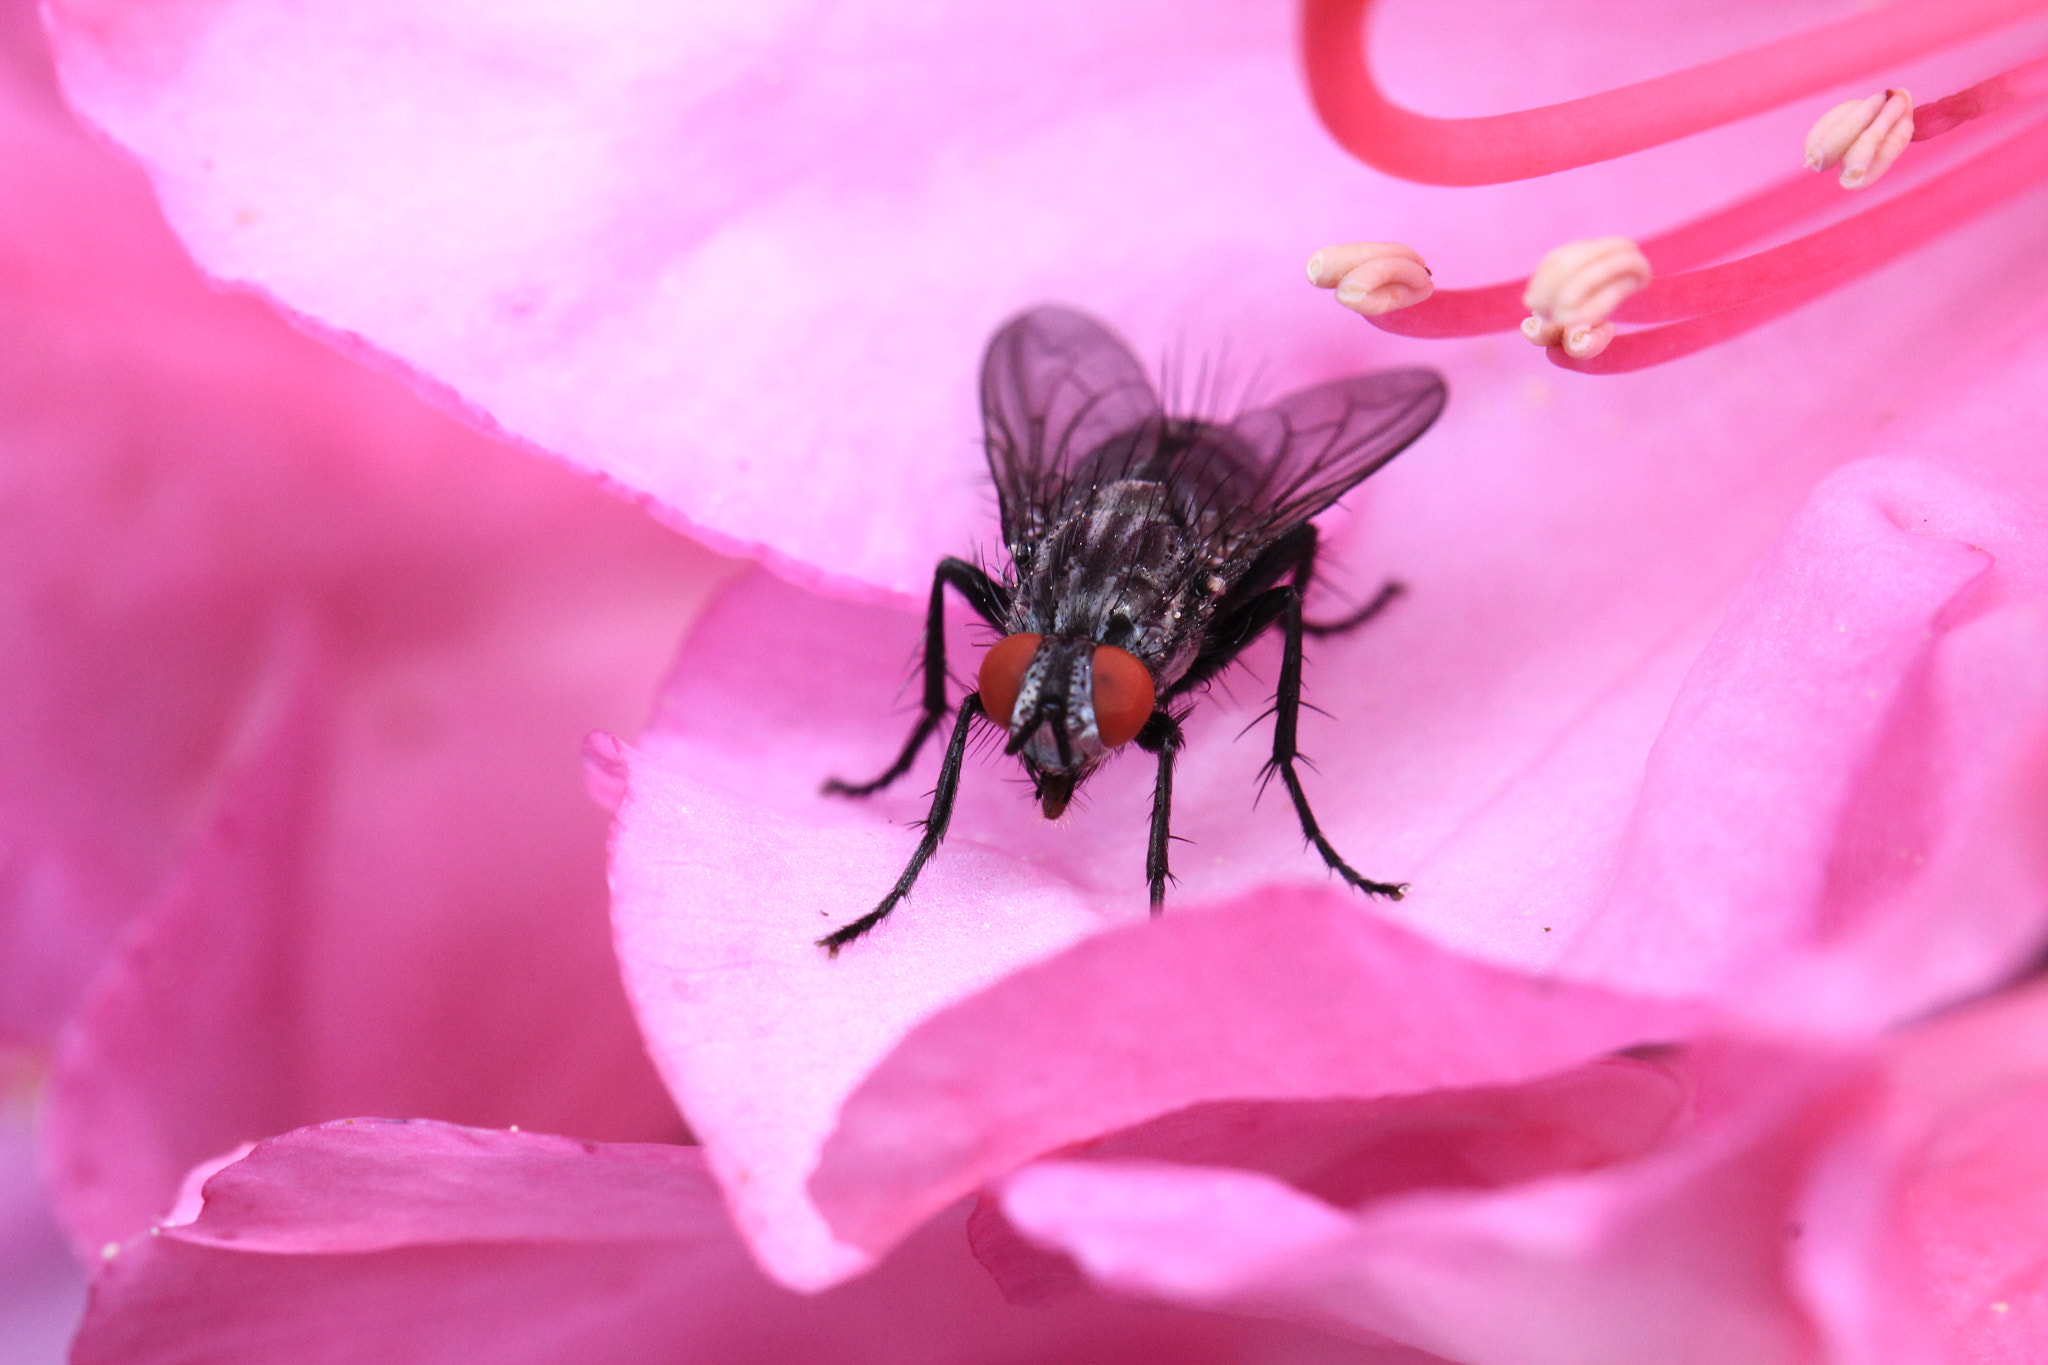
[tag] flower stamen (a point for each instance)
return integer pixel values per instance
(1584, 282)
(1576, 298)
(1865, 136)
(1710, 305)
(1372, 278)
(1629, 118)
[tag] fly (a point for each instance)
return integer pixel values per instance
(1146, 553)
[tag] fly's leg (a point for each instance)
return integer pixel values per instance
(1304, 551)
(1160, 736)
(1286, 712)
(1389, 593)
(987, 597)
(935, 822)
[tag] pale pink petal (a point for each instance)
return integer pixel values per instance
(745, 262)
(424, 1242)
(1824, 776)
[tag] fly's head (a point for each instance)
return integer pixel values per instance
(1067, 701)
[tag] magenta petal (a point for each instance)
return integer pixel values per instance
(293, 670)
(42, 1289)
(424, 1242)
(182, 477)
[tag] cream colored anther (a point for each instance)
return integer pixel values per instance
(1865, 136)
(1372, 277)
(1576, 288)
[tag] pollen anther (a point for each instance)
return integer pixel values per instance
(1372, 277)
(1865, 136)
(1576, 288)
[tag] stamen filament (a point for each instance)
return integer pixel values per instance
(1725, 300)
(1498, 307)
(1682, 291)
(2021, 83)
(1629, 118)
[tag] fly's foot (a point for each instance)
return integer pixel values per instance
(847, 933)
(836, 786)
(1393, 891)
(1390, 592)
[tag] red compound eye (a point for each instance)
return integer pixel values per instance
(1123, 694)
(1002, 675)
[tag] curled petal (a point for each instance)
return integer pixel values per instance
(428, 1242)
(1865, 136)
(1372, 278)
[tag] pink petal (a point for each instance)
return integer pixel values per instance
(239, 568)
(1975, 1201)
(1302, 997)
(120, 677)
(1671, 1257)
(746, 266)
(1809, 1208)
(42, 1289)
(184, 1048)
(1926, 1220)
(425, 1242)
(1871, 700)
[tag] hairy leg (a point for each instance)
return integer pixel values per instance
(935, 823)
(987, 597)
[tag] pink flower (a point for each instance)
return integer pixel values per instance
(1715, 716)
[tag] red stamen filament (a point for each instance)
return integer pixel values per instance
(1629, 118)
(1723, 301)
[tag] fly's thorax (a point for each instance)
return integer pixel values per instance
(1118, 570)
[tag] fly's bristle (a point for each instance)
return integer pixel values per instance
(1210, 397)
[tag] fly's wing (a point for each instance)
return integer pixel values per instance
(1314, 446)
(1056, 386)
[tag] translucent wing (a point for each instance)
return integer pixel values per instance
(1056, 386)
(1313, 447)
